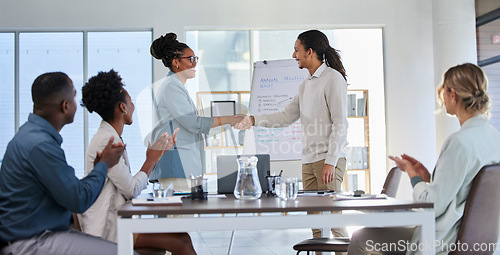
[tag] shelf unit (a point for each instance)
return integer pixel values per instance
(357, 175)
(203, 98)
(225, 143)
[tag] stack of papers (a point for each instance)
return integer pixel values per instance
(175, 200)
(309, 193)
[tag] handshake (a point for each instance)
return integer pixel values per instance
(241, 122)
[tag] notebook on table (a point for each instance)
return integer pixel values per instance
(177, 200)
(227, 172)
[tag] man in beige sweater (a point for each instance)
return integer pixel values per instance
(321, 105)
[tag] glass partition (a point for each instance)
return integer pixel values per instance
(128, 54)
(7, 97)
(226, 64)
(53, 52)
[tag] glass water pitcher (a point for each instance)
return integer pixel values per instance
(247, 185)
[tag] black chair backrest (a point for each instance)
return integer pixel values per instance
(391, 183)
(481, 219)
(341, 244)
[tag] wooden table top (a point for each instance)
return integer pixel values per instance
(229, 204)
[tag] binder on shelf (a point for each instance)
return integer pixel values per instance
(351, 105)
(352, 158)
(352, 181)
(348, 151)
(357, 153)
(361, 107)
(357, 157)
(364, 157)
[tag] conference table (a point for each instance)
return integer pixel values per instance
(228, 213)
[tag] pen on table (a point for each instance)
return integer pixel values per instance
(320, 192)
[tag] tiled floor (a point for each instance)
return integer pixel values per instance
(258, 242)
(261, 242)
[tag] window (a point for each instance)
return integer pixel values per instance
(274, 44)
(40, 52)
(128, 54)
(51, 52)
(491, 72)
(224, 59)
(7, 97)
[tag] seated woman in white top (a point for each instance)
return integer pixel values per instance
(463, 154)
(105, 95)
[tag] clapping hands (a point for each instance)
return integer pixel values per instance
(412, 166)
(164, 143)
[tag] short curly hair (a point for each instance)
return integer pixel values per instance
(102, 93)
(51, 87)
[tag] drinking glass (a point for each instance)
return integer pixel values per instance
(289, 188)
(277, 186)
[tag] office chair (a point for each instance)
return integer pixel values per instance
(391, 183)
(150, 251)
(481, 219)
(141, 251)
(340, 244)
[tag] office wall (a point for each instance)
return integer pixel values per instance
(408, 44)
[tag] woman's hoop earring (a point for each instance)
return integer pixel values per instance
(177, 67)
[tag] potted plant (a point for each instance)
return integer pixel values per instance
(215, 141)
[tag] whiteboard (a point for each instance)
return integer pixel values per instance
(275, 83)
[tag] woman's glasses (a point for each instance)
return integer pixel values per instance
(193, 59)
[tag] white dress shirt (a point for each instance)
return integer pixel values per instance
(120, 186)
